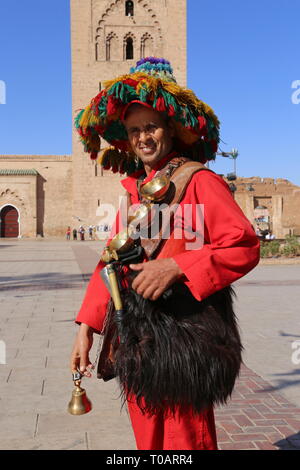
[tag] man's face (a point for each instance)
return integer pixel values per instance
(150, 136)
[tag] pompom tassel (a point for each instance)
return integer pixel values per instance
(94, 155)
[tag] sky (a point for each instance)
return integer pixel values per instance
(243, 58)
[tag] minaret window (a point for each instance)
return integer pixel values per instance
(129, 49)
(111, 47)
(146, 45)
(129, 8)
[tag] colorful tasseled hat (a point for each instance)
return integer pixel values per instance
(152, 83)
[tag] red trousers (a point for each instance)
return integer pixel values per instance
(183, 431)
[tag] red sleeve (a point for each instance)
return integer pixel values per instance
(231, 248)
(94, 305)
(93, 308)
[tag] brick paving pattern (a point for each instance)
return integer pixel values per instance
(257, 417)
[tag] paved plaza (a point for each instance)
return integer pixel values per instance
(42, 284)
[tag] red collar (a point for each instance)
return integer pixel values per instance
(130, 183)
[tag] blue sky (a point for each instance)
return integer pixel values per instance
(242, 60)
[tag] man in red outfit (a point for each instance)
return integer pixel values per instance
(228, 251)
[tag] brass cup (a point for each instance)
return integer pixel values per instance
(139, 214)
(122, 241)
(155, 189)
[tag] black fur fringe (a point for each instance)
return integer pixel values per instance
(178, 351)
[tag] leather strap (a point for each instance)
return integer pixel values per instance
(181, 171)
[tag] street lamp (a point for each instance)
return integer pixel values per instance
(233, 155)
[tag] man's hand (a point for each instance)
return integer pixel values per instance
(80, 354)
(155, 277)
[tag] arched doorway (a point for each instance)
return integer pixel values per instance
(9, 220)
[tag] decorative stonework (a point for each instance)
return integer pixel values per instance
(112, 44)
(113, 19)
(9, 196)
(146, 45)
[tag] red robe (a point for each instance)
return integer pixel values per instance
(230, 250)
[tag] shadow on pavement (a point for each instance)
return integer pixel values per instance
(282, 333)
(281, 383)
(289, 443)
(46, 281)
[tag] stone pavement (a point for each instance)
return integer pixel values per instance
(42, 284)
(257, 417)
(41, 288)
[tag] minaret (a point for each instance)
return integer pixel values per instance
(109, 37)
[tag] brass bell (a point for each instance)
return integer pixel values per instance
(79, 404)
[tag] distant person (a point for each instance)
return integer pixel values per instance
(91, 232)
(81, 231)
(74, 234)
(68, 233)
